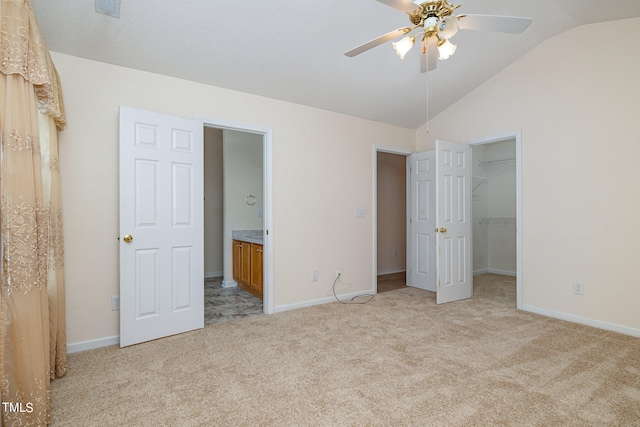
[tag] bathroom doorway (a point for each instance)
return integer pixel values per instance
(234, 164)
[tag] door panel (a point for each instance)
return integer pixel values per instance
(453, 182)
(146, 283)
(161, 207)
(423, 220)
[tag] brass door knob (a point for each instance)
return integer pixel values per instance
(128, 238)
(443, 230)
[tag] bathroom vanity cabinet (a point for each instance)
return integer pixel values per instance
(248, 267)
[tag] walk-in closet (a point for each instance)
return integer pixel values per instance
(494, 208)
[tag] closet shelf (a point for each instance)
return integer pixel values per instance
(498, 220)
(495, 162)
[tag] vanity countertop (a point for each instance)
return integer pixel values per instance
(250, 236)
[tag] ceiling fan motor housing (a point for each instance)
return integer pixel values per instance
(438, 9)
(430, 14)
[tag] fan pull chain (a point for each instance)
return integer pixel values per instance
(426, 78)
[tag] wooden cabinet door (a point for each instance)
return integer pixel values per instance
(256, 268)
(245, 268)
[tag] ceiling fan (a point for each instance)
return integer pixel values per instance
(434, 20)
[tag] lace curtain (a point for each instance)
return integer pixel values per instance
(32, 319)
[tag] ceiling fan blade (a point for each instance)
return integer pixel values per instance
(375, 42)
(402, 5)
(429, 57)
(501, 24)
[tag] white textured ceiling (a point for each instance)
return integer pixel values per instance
(293, 49)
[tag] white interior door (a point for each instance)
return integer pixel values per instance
(161, 226)
(453, 219)
(422, 180)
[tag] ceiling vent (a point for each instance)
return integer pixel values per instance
(108, 7)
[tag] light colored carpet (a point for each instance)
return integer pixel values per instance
(400, 360)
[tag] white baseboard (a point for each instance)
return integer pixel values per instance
(229, 284)
(92, 344)
(287, 307)
(391, 270)
(584, 321)
(213, 274)
(503, 272)
(494, 271)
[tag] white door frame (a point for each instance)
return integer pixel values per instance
(517, 135)
(374, 208)
(267, 162)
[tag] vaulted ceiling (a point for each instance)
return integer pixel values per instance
(293, 50)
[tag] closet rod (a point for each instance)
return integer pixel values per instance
(493, 162)
(498, 220)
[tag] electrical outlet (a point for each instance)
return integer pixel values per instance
(578, 288)
(115, 303)
(314, 276)
(337, 273)
(395, 253)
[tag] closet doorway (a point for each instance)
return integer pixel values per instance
(496, 211)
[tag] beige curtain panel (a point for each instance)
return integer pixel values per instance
(32, 315)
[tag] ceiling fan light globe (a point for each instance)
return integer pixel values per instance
(446, 49)
(403, 46)
(448, 27)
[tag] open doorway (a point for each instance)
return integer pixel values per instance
(162, 271)
(236, 211)
(390, 218)
(514, 220)
(232, 167)
(496, 217)
(391, 221)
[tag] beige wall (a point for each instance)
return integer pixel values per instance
(322, 171)
(576, 99)
(392, 213)
(213, 203)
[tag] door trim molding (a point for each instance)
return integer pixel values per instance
(267, 162)
(517, 135)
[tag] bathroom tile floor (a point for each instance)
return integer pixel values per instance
(222, 304)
